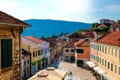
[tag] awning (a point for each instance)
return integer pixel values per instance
(107, 77)
(96, 68)
(100, 71)
(90, 64)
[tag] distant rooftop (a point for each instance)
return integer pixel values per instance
(32, 38)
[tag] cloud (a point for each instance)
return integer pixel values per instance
(8, 5)
(82, 6)
(71, 10)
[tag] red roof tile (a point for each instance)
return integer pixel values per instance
(82, 42)
(6, 18)
(112, 38)
(32, 38)
(69, 44)
(89, 35)
(76, 35)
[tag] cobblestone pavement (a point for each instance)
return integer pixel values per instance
(83, 74)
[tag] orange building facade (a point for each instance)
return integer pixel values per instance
(82, 52)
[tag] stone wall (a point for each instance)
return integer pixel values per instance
(13, 72)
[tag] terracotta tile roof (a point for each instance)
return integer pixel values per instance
(69, 44)
(112, 38)
(30, 43)
(89, 35)
(6, 18)
(32, 38)
(82, 42)
(76, 35)
(52, 41)
(60, 40)
(27, 41)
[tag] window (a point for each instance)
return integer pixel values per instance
(115, 52)
(109, 51)
(98, 59)
(105, 63)
(28, 72)
(33, 54)
(38, 52)
(67, 50)
(119, 71)
(24, 62)
(28, 61)
(105, 50)
(72, 50)
(6, 53)
(102, 61)
(80, 51)
(67, 58)
(112, 52)
(108, 65)
(111, 67)
(98, 47)
(115, 68)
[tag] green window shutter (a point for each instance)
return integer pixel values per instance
(6, 53)
(9, 52)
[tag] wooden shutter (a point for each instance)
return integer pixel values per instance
(6, 53)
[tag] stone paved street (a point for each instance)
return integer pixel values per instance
(83, 74)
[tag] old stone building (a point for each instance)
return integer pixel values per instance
(10, 46)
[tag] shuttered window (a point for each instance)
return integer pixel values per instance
(6, 53)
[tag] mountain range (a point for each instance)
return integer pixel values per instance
(49, 27)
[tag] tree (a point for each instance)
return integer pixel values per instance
(54, 36)
(42, 37)
(118, 21)
(61, 34)
(95, 25)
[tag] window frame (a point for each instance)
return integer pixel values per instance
(72, 50)
(12, 43)
(67, 50)
(81, 52)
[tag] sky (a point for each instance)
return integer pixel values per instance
(88, 11)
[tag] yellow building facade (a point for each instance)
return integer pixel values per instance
(107, 57)
(36, 53)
